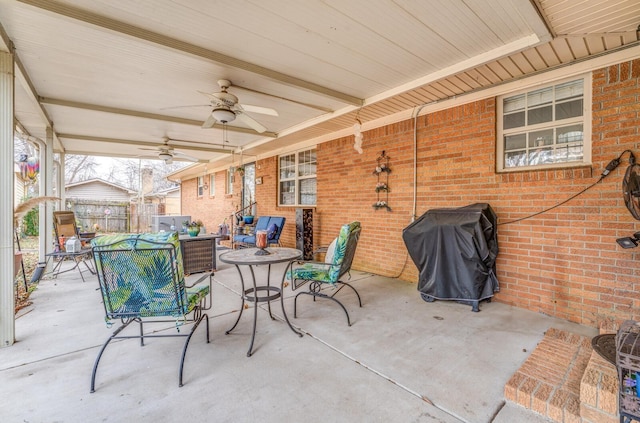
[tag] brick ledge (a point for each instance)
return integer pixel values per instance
(548, 382)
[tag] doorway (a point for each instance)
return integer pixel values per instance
(249, 188)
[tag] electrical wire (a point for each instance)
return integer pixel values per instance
(553, 207)
(610, 167)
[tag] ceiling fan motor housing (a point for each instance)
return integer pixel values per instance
(226, 99)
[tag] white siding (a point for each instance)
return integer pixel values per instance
(18, 189)
(98, 191)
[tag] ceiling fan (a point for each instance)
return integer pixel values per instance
(166, 152)
(226, 109)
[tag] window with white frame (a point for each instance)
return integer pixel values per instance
(201, 186)
(545, 127)
(297, 178)
(229, 181)
(212, 184)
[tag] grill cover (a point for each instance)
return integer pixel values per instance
(455, 251)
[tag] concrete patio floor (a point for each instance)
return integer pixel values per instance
(403, 360)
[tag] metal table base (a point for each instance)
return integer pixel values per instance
(248, 257)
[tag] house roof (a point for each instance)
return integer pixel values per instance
(120, 78)
(162, 192)
(100, 181)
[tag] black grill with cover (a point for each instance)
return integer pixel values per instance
(455, 251)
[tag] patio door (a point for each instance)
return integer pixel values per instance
(249, 187)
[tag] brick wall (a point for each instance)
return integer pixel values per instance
(564, 262)
(212, 210)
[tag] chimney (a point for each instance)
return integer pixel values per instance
(147, 180)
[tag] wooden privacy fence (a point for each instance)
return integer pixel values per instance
(108, 216)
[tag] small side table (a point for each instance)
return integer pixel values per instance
(199, 253)
(247, 257)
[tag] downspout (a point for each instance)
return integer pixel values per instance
(415, 160)
(415, 153)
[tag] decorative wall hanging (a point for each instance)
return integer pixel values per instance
(357, 145)
(382, 172)
(29, 168)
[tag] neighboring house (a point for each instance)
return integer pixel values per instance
(156, 203)
(93, 189)
(101, 205)
(169, 199)
(19, 185)
(164, 202)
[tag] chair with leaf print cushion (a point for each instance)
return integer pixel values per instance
(141, 280)
(320, 274)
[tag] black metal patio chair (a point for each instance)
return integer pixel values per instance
(142, 280)
(320, 274)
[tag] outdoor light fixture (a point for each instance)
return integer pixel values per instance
(165, 156)
(628, 241)
(223, 114)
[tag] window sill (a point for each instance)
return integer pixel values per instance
(546, 168)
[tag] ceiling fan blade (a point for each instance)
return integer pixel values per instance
(254, 124)
(209, 122)
(158, 148)
(185, 156)
(312, 106)
(184, 107)
(258, 109)
(211, 96)
(220, 150)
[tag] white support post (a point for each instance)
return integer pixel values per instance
(7, 294)
(46, 188)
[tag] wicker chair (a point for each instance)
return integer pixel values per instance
(141, 280)
(337, 264)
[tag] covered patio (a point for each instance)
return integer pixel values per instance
(425, 82)
(402, 360)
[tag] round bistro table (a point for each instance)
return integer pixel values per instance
(248, 257)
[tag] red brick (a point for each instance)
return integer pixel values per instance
(565, 263)
(541, 397)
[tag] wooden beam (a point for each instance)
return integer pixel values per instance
(146, 115)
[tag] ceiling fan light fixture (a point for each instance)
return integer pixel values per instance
(165, 156)
(224, 115)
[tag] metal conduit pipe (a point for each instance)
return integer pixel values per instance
(415, 159)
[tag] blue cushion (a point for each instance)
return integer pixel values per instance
(272, 231)
(263, 223)
(247, 239)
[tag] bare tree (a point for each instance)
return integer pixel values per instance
(79, 168)
(22, 148)
(126, 172)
